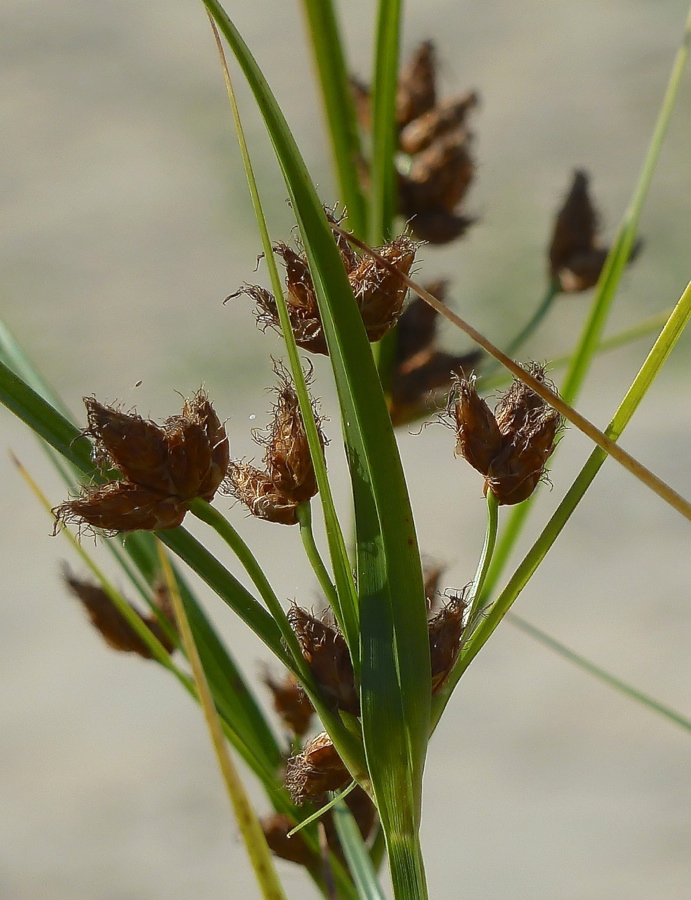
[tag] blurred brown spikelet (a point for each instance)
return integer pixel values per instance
(445, 633)
(288, 477)
(163, 467)
(379, 293)
(576, 252)
(290, 702)
(449, 115)
(326, 653)
(417, 91)
(112, 625)
(420, 369)
(316, 770)
(276, 828)
(511, 446)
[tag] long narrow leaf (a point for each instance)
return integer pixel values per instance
(396, 674)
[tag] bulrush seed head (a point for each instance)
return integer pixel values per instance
(290, 702)
(445, 633)
(378, 292)
(112, 625)
(326, 653)
(316, 770)
(294, 849)
(577, 253)
(449, 115)
(510, 447)
(420, 369)
(163, 467)
(417, 85)
(288, 477)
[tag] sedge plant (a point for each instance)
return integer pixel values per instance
(379, 664)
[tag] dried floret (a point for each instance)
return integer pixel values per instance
(417, 85)
(447, 116)
(511, 446)
(445, 633)
(316, 770)
(326, 653)
(112, 625)
(163, 467)
(290, 702)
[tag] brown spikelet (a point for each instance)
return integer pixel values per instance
(417, 85)
(256, 489)
(510, 447)
(288, 477)
(421, 370)
(107, 619)
(163, 467)
(478, 439)
(326, 653)
(294, 849)
(379, 292)
(449, 115)
(316, 770)
(290, 702)
(439, 176)
(445, 633)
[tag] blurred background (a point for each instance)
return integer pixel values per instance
(125, 222)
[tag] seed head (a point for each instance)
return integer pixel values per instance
(113, 626)
(417, 85)
(163, 467)
(420, 369)
(326, 653)
(510, 447)
(276, 829)
(288, 477)
(316, 770)
(450, 115)
(445, 633)
(290, 702)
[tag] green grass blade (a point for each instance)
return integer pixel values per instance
(396, 679)
(248, 822)
(649, 370)
(383, 194)
(345, 605)
(599, 673)
(357, 857)
(341, 120)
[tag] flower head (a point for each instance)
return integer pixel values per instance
(163, 467)
(511, 446)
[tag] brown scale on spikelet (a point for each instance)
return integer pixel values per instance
(288, 477)
(326, 653)
(511, 446)
(316, 770)
(421, 370)
(163, 467)
(290, 702)
(379, 293)
(432, 574)
(436, 140)
(417, 85)
(112, 625)
(445, 633)
(576, 253)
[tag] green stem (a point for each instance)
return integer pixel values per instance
(343, 131)
(598, 672)
(304, 514)
(532, 325)
(476, 590)
(204, 511)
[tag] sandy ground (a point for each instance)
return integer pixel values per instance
(125, 222)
